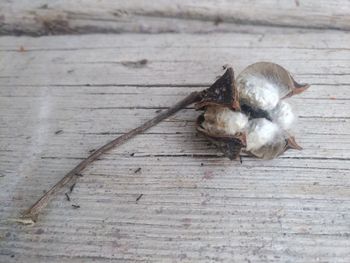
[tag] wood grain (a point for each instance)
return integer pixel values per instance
(63, 96)
(42, 17)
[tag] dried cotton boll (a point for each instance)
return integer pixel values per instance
(257, 92)
(223, 121)
(261, 132)
(283, 115)
(248, 114)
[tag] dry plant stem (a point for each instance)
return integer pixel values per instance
(33, 212)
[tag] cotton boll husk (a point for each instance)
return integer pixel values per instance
(261, 132)
(272, 150)
(223, 121)
(283, 115)
(272, 74)
(258, 92)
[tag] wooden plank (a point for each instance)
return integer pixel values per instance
(41, 17)
(66, 95)
(111, 63)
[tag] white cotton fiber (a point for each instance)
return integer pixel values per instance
(258, 92)
(223, 121)
(283, 115)
(261, 132)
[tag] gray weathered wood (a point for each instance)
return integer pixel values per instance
(292, 209)
(40, 17)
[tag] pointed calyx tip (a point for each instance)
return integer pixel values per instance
(223, 92)
(292, 144)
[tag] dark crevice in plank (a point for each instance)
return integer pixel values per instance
(62, 256)
(330, 84)
(325, 74)
(322, 99)
(27, 50)
(174, 47)
(155, 85)
(324, 117)
(198, 155)
(252, 21)
(59, 158)
(182, 133)
(149, 85)
(145, 133)
(66, 24)
(150, 107)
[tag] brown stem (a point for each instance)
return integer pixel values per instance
(33, 212)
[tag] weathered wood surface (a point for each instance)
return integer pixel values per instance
(62, 96)
(41, 17)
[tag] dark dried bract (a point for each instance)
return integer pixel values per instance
(230, 146)
(223, 92)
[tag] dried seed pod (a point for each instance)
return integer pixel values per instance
(260, 89)
(223, 93)
(263, 84)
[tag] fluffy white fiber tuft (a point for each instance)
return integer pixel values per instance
(283, 115)
(261, 132)
(220, 121)
(259, 93)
